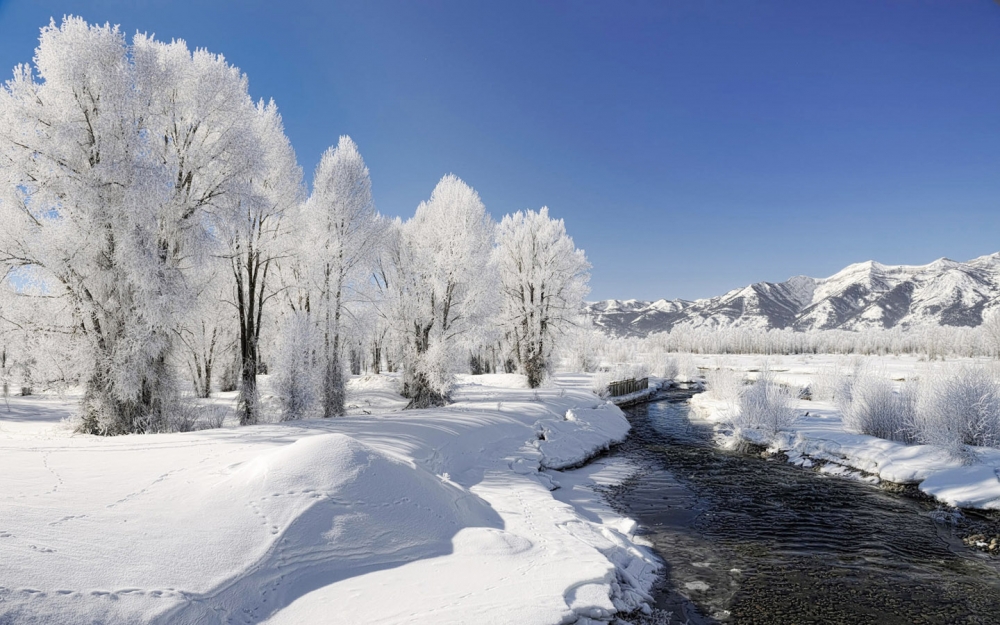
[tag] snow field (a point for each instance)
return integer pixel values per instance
(822, 437)
(442, 515)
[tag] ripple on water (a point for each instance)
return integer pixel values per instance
(750, 540)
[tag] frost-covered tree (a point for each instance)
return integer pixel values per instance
(347, 230)
(442, 286)
(764, 405)
(990, 330)
(85, 201)
(39, 333)
(387, 334)
(258, 236)
(205, 331)
(121, 166)
(544, 280)
(296, 385)
(82, 201)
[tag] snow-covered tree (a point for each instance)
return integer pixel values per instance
(205, 330)
(256, 228)
(296, 385)
(544, 280)
(121, 166)
(83, 200)
(990, 330)
(347, 230)
(443, 286)
(387, 334)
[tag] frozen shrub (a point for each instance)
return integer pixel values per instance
(582, 359)
(959, 411)
(764, 405)
(871, 406)
(296, 384)
(439, 366)
(686, 369)
(670, 369)
(829, 384)
(657, 362)
(661, 365)
(214, 416)
(186, 415)
(428, 383)
(599, 382)
(724, 384)
(182, 417)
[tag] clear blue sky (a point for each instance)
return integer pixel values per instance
(691, 147)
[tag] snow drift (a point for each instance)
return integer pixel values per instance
(441, 515)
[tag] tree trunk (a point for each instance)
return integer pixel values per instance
(248, 403)
(333, 383)
(206, 388)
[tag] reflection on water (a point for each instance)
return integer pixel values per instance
(748, 540)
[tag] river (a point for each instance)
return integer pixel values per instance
(752, 540)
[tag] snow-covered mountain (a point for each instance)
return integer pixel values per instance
(863, 295)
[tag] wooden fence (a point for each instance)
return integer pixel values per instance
(626, 387)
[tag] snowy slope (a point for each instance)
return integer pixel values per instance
(861, 296)
(436, 516)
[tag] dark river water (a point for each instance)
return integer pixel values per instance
(750, 540)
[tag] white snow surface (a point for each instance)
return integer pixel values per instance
(441, 516)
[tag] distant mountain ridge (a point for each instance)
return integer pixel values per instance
(861, 296)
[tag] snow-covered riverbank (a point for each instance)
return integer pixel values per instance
(441, 515)
(818, 436)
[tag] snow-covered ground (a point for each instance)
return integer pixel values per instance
(443, 515)
(819, 434)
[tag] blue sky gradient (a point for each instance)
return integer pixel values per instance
(691, 147)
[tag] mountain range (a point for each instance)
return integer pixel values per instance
(861, 296)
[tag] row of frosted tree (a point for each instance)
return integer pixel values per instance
(587, 350)
(158, 235)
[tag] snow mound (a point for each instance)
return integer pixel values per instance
(233, 545)
(337, 507)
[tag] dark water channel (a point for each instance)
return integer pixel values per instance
(751, 540)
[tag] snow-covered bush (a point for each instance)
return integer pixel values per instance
(870, 405)
(213, 416)
(297, 381)
(183, 417)
(668, 368)
(959, 410)
(687, 370)
(582, 351)
(437, 368)
(828, 384)
(660, 364)
(186, 415)
(724, 384)
(764, 405)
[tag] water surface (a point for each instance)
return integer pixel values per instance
(751, 540)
